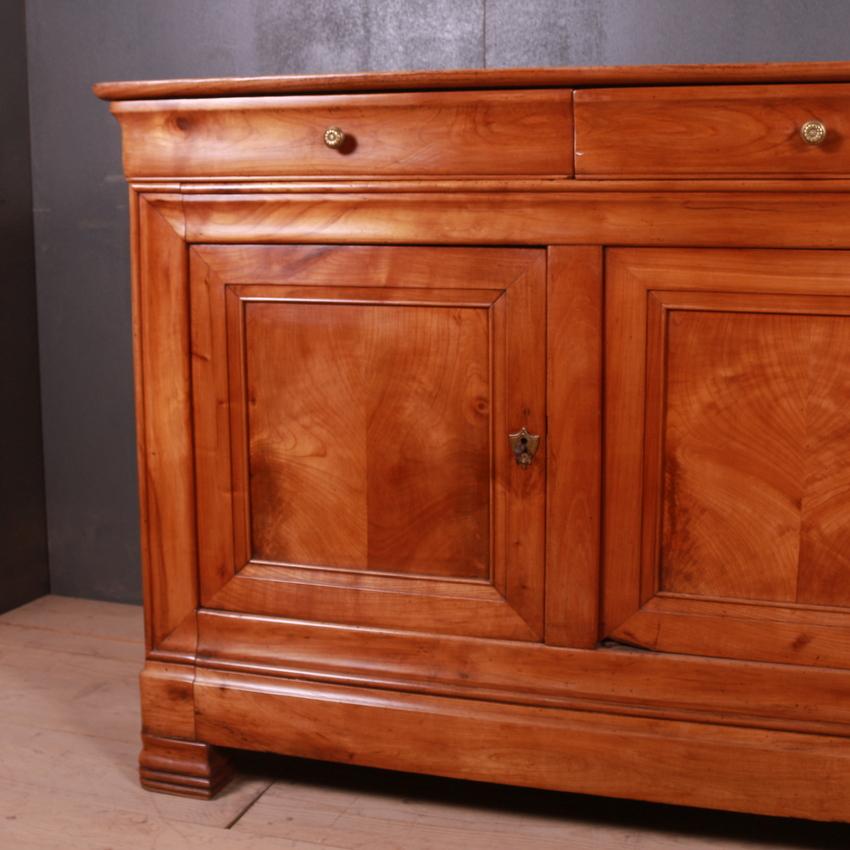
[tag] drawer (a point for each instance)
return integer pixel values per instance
(489, 133)
(712, 131)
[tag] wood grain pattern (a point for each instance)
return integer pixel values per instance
(520, 318)
(736, 449)
(184, 768)
(165, 422)
(625, 379)
(437, 133)
(167, 700)
(429, 605)
(617, 756)
(363, 266)
(731, 492)
(778, 72)
(614, 217)
(824, 560)
(307, 425)
(711, 131)
(574, 371)
(737, 435)
(402, 381)
(380, 421)
(726, 629)
(133, 205)
(611, 680)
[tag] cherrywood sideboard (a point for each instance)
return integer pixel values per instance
(495, 424)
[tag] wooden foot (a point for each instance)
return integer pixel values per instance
(187, 768)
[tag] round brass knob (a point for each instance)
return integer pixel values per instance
(334, 137)
(813, 132)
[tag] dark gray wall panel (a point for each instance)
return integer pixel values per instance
(81, 213)
(638, 32)
(23, 545)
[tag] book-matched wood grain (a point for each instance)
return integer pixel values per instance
(727, 461)
(428, 133)
(719, 131)
(352, 413)
(757, 434)
(380, 420)
(368, 424)
(733, 456)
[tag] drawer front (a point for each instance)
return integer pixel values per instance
(716, 131)
(426, 133)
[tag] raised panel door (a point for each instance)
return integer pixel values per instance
(728, 453)
(352, 413)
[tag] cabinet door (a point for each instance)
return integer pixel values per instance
(727, 485)
(353, 407)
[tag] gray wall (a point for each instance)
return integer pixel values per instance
(23, 543)
(80, 200)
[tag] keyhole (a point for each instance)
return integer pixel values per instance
(523, 446)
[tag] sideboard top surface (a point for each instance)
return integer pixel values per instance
(637, 75)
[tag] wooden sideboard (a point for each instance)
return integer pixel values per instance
(496, 424)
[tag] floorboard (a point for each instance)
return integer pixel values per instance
(69, 741)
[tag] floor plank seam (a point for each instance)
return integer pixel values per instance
(94, 636)
(39, 727)
(250, 806)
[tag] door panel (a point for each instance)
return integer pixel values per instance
(381, 421)
(755, 501)
(728, 431)
(352, 409)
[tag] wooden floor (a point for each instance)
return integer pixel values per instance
(69, 741)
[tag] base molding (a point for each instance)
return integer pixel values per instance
(768, 772)
(185, 768)
(611, 680)
(683, 762)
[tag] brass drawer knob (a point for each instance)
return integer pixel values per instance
(334, 137)
(813, 132)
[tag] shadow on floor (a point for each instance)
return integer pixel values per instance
(578, 808)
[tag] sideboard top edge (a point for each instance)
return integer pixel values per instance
(482, 78)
